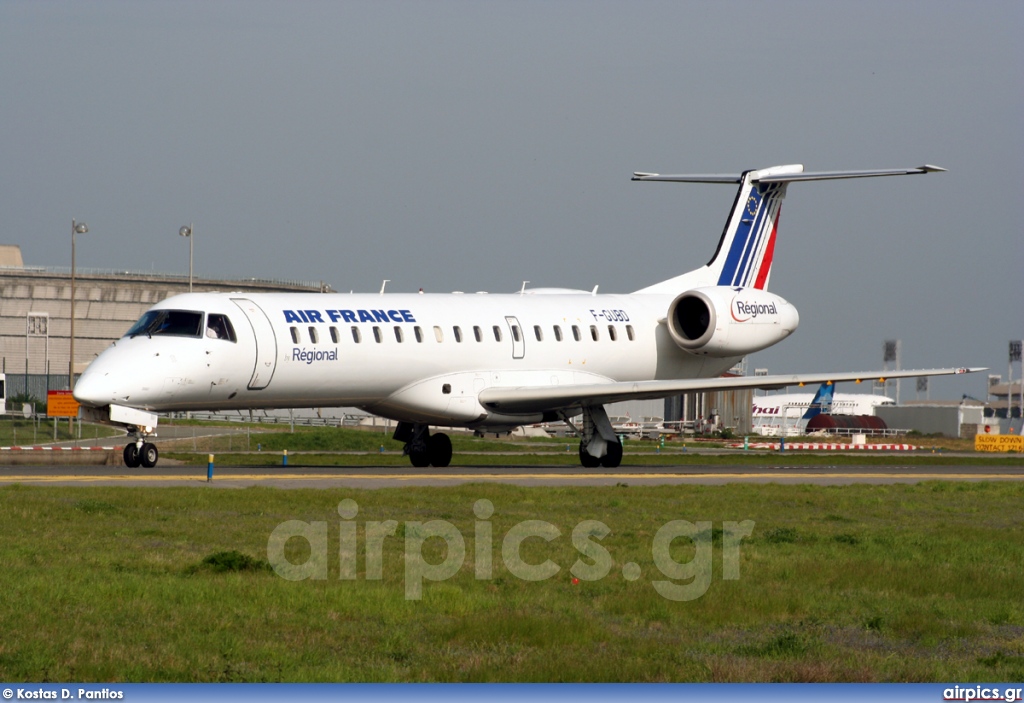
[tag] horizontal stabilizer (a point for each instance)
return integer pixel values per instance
(747, 247)
(787, 175)
(535, 399)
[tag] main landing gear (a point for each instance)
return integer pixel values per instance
(599, 445)
(423, 448)
(140, 452)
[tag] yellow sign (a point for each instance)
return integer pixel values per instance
(61, 404)
(999, 443)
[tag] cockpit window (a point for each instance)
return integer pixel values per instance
(219, 327)
(178, 323)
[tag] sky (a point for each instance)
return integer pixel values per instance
(474, 145)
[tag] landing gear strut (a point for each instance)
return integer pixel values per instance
(422, 448)
(140, 452)
(599, 445)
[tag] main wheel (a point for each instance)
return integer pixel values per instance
(132, 458)
(419, 459)
(149, 455)
(613, 457)
(589, 462)
(439, 447)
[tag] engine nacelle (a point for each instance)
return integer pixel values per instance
(724, 321)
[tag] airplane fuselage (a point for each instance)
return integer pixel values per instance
(417, 358)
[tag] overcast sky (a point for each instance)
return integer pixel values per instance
(471, 146)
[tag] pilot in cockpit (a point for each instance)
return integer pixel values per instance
(216, 327)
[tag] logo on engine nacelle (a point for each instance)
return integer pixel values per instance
(743, 311)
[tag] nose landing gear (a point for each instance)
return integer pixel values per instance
(140, 452)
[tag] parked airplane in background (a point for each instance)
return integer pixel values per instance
(488, 362)
(790, 412)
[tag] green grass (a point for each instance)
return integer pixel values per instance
(330, 446)
(855, 583)
(26, 432)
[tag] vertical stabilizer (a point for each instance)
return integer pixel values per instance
(747, 246)
(822, 402)
(745, 251)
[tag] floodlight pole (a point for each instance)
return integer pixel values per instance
(76, 228)
(187, 232)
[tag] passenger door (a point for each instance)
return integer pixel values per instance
(266, 343)
(518, 338)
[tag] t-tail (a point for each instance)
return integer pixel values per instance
(746, 248)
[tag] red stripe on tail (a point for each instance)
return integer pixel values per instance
(769, 252)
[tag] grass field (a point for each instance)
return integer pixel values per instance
(329, 446)
(26, 432)
(857, 583)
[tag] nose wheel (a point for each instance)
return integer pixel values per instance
(140, 452)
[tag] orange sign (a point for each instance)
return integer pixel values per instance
(61, 404)
(999, 443)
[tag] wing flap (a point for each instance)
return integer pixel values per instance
(534, 399)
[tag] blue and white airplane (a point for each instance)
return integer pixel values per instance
(788, 413)
(478, 361)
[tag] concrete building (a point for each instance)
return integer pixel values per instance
(951, 419)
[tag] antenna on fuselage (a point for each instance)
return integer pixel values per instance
(594, 292)
(522, 291)
(384, 285)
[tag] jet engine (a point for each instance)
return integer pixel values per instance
(722, 321)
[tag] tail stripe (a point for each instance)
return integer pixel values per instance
(748, 268)
(765, 239)
(769, 253)
(747, 211)
(749, 258)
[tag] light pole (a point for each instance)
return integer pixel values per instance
(187, 232)
(76, 228)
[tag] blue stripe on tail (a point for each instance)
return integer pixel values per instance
(739, 243)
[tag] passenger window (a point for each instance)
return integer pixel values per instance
(497, 333)
(313, 336)
(593, 332)
(576, 333)
(418, 331)
(538, 333)
(377, 335)
(458, 333)
(629, 332)
(516, 336)
(334, 335)
(558, 333)
(438, 334)
(398, 334)
(611, 333)
(478, 333)
(219, 327)
(295, 335)
(356, 336)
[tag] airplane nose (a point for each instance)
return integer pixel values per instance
(93, 389)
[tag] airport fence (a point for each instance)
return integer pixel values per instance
(32, 388)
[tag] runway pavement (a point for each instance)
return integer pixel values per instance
(379, 477)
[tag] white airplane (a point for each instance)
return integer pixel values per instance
(489, 362)
(790, 412)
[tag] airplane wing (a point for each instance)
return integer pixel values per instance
(533, 399)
